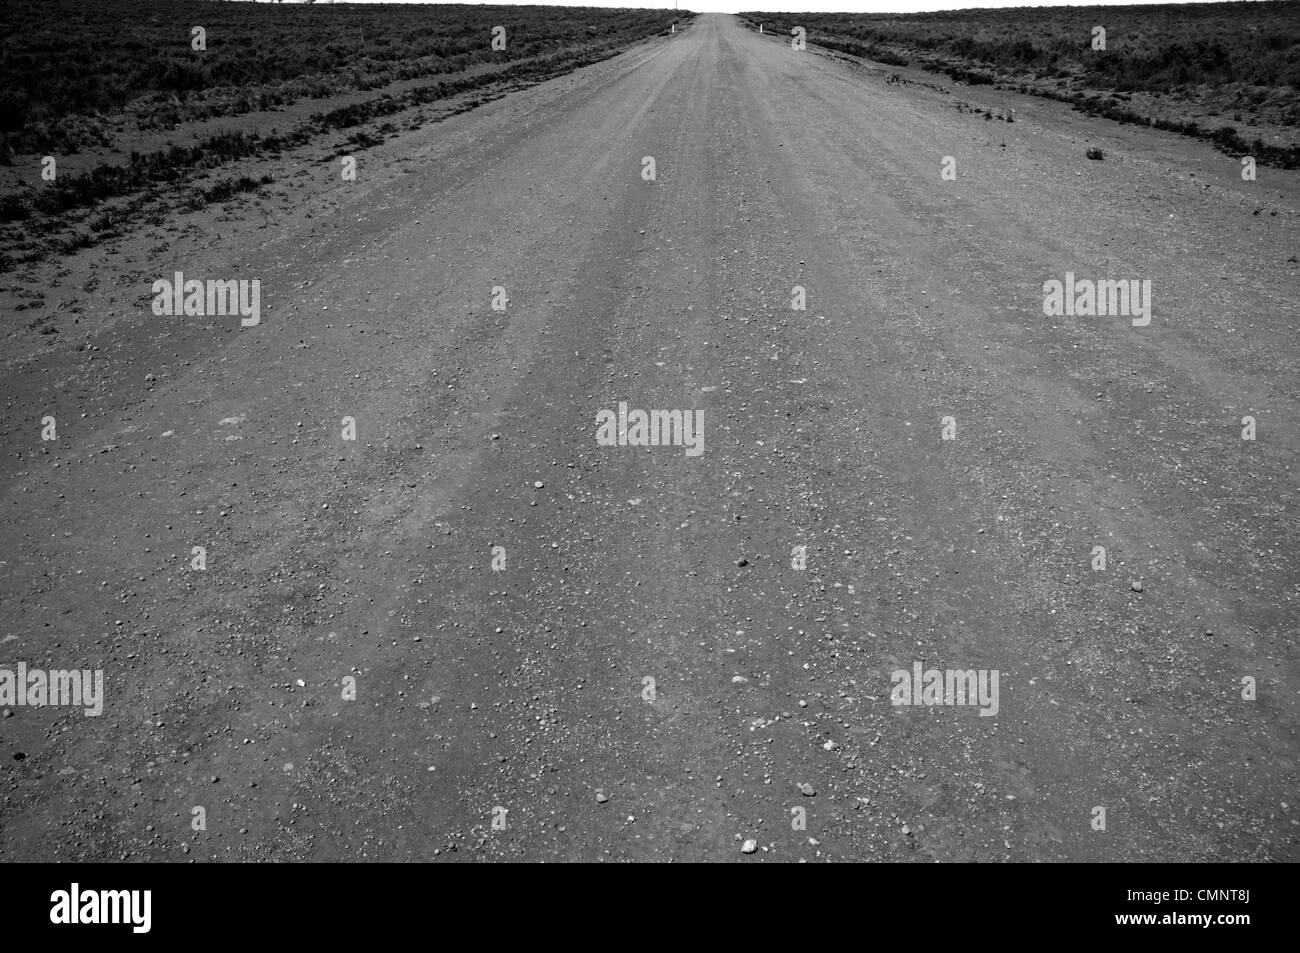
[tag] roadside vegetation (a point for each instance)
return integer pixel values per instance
(1208, 70)
(100, 79)
(68, 67)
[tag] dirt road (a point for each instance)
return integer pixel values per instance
(640, 672)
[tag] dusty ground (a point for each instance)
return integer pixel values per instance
(524, 688)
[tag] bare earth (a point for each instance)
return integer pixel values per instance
(525, 689)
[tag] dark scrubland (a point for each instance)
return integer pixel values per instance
(1226, 72)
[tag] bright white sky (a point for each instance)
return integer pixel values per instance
(823, 6)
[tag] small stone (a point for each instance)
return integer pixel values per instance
(749, 847)
(806, 789)
(601, 797)
(738, 679)
(1136, 587)
(742, 561)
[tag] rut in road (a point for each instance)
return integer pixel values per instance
(568, 650)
